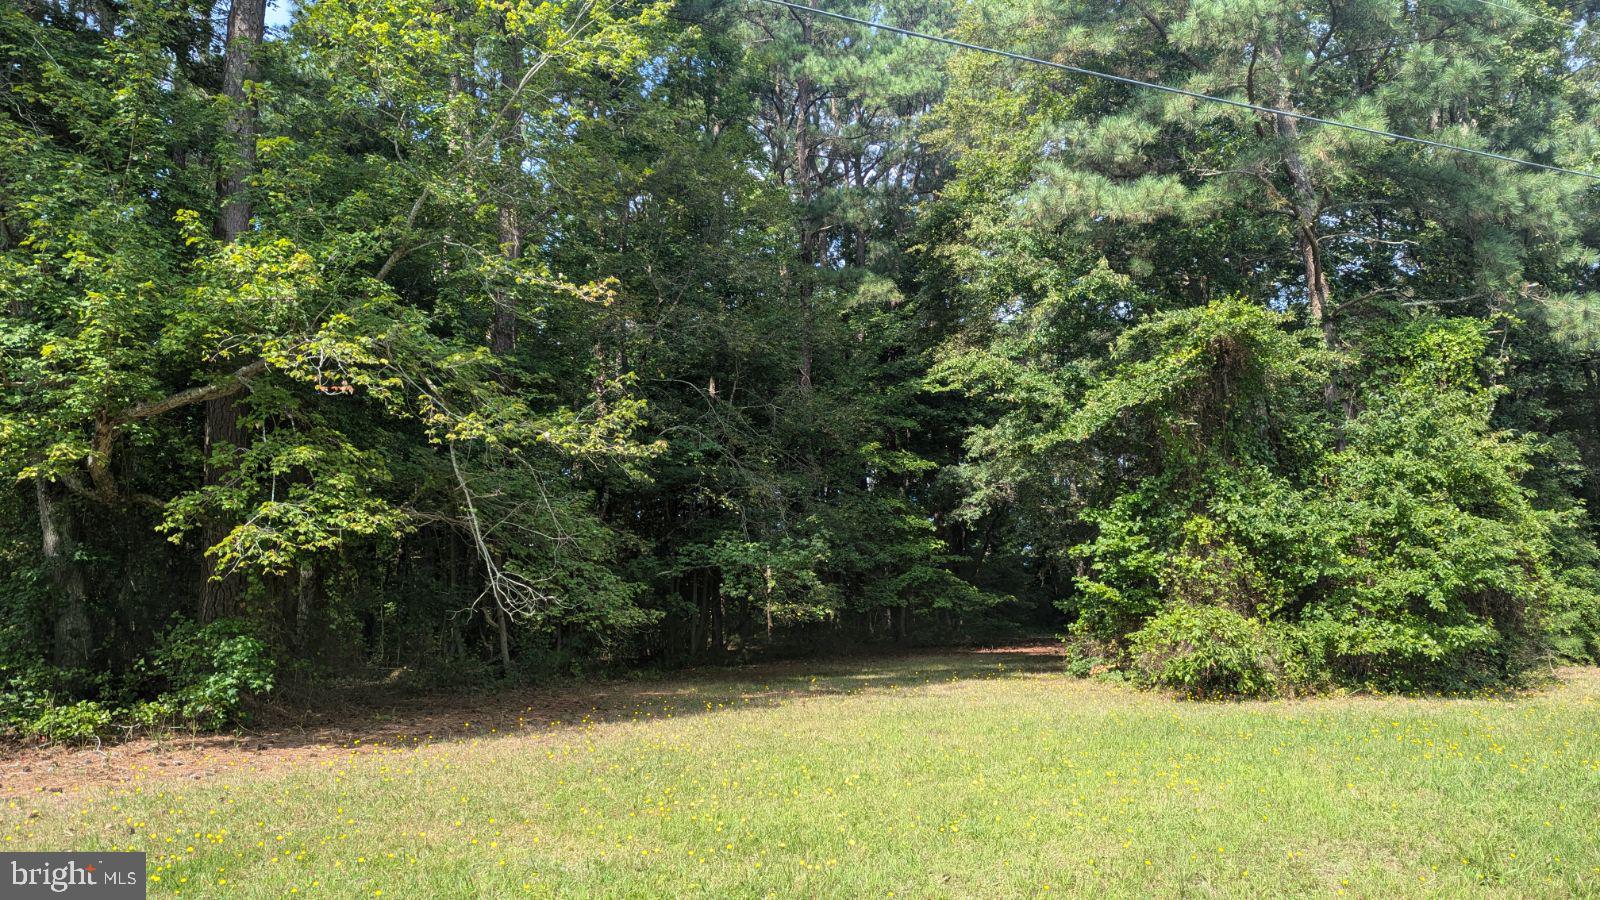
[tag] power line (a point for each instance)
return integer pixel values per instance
(1182, 92)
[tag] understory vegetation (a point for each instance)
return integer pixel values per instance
(1267, 546)
(446, 342)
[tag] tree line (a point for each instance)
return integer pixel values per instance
(505, 338)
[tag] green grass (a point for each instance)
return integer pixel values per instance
(956, 775)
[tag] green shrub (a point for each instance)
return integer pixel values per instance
(201, 675)
(1087, 657)
(209, 671)
(31, 705)
(70, 723)
(1206, 651)
(1572, 619)
(1085, 666)
(152, 714)
(24, 694)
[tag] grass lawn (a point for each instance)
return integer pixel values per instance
(965, 775)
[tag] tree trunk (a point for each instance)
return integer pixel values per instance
(505, 640)
(1306, 207)
(702, 619)
(307, 593)
(502, 336)
(805, 170)
(808, 291)
(1317, 291)
(58, 526)
(984, 546)
(719, 616)
(503, 324)
(246, 26)
(219, 596)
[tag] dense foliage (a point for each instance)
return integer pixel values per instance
(504, 338)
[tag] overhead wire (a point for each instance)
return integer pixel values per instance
(1182, 92)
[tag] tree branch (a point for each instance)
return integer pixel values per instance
(108, 426)
(226, 387)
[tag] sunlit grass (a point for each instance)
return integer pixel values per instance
(949, 776)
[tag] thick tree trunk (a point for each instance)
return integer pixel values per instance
(58, 527)
(220, 596)
(246, 26)
(503, 325)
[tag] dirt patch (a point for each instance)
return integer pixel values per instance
(361, 722)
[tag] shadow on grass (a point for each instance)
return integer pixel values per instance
(438, 715)
(347, 723)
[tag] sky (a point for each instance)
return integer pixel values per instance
(278, 13)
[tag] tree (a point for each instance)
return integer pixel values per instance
(1082, 207)
(247, 23)
(1335, 222)
(483, 340)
